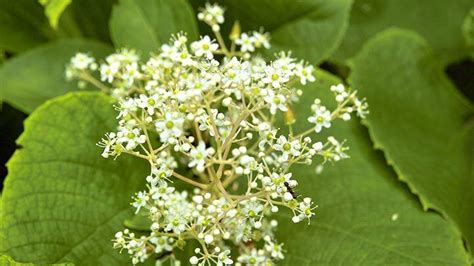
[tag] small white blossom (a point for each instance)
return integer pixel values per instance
(205, 47)
(199, 155)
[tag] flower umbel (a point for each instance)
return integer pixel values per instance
(210, 124)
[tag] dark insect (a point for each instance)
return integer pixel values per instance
(290, 190)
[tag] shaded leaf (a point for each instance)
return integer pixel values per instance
(146, 24)
(420, 122)
(436, 20)
(311, 29)
(38, 75)
(88, 18)
(22, 25)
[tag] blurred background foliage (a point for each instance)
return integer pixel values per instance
(413, 60)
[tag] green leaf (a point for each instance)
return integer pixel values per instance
(38, 75)
(311, 29)
(87, 18)
(146, 24)
(53, 10)
(8, 261)
(436, 20)
(61, 201)
(420, 121)
(365, 216)
(22, 25)
(468, 31)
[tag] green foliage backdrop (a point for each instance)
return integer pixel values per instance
(406, 196)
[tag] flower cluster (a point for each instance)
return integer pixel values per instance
(211, 124)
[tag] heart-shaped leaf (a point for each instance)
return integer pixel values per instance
(62, 202)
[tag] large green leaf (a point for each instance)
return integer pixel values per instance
(35, 76)
(62, 202)
(146, 24)
(438, 21)
(311, 29)
(365, 216)
(420, 122)
(22, 25)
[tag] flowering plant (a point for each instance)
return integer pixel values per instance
(205, 114)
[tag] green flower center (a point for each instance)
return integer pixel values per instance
(169, 124)
(130, 135)
(199, 155)
(287, 146)
(275, 77)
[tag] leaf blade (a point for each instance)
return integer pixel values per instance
(425, 136)
(145, 24)
(38, 75)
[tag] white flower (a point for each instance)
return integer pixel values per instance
(251, 208)
(321, 118)
(223, 258)
(204, 47)
(141, 200)
(82, 61)
(287, 147)
(162, 192)
(212, 14)
(275, 250)
(199, 155)
(276, 101)
(253, 258)
(109, 145)
(261, 39)
(108, 71)
(361, 107)
(246, 42)
(170, 127)
(275, 76)
(149, 103)
(162, 243)
(130, 73)
(305, 73)
(306, 209)
(130, 137)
